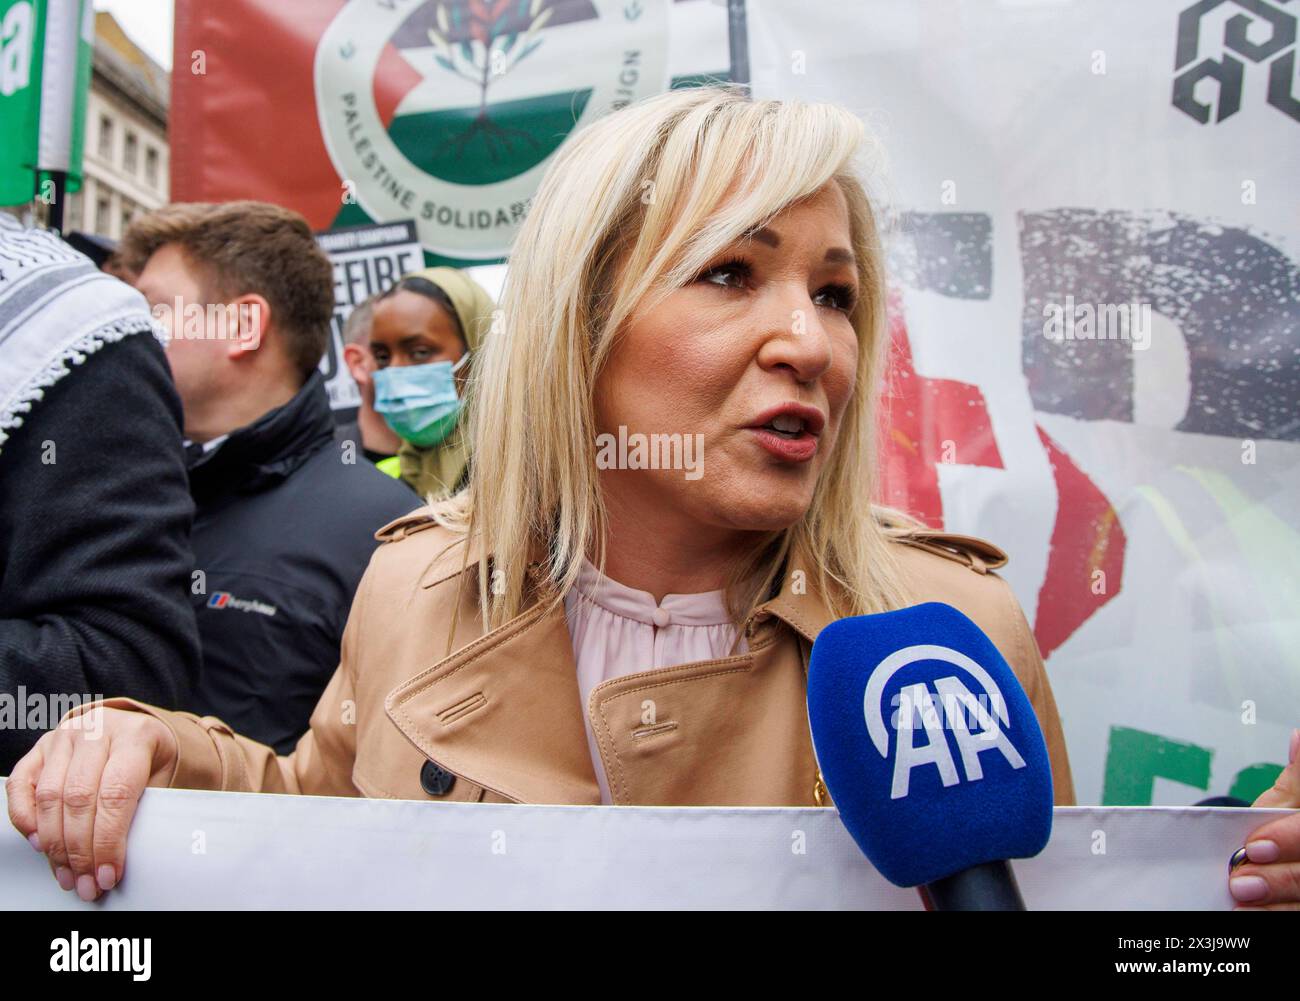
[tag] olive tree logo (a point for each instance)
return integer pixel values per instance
(501, 36)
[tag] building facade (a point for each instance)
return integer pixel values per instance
(126, 150)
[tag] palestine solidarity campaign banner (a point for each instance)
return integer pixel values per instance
(1096, 308)
(443, 112)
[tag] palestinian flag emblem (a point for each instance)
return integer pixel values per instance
(448, 111)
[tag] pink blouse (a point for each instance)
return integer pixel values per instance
(618, 630)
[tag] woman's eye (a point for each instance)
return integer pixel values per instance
(732, 274)
(841, 297)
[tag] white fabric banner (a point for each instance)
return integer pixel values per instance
(1097, 343)
(69, 25)
(210, 850)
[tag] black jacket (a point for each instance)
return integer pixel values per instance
(94, 558)
(283, 530)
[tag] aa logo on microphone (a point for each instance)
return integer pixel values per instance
(942, 707)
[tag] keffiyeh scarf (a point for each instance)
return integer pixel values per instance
(56, 309)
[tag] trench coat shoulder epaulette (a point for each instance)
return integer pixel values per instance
(399, 528)
(432, 553)
(974, 553)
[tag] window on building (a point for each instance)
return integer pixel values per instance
(151, 166)
(105, 137)
(128, 213)
(131, 155)
(102, 210)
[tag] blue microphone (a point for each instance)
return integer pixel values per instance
(932, 753)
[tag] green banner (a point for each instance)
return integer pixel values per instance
(21, 30)
(81, 92)
(46, 54)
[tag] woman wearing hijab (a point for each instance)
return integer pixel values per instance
(424, 333)
(575, 630)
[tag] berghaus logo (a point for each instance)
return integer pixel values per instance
(226, 600)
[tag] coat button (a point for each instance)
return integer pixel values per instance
(436, 781)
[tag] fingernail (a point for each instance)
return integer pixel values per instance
(1248, 888)
(64, 875)
(86, 888)
(108, 876)
(34, 840)
(1263, 851)
(1295, 747)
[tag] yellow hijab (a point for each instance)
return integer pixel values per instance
(436, 471)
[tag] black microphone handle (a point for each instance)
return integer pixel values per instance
(989, 886)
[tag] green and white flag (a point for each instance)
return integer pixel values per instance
(46, 47)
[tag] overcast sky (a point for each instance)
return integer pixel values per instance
(148, 22)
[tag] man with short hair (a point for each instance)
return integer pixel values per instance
(285, 518)
(369, 433)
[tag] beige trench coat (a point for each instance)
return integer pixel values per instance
(499, 719)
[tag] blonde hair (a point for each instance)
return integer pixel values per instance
(662, 186)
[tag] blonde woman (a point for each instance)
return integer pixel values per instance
(583, 625)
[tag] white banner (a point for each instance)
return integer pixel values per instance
(1097, 344)
(69, 34)
(213, 850)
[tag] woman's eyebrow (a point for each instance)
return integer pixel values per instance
(836, 255)
(763, 235)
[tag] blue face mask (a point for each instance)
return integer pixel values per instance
(419, 402)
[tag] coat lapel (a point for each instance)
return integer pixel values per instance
(798, 604)
(503, 710)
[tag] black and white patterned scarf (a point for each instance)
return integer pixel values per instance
(56, 309)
